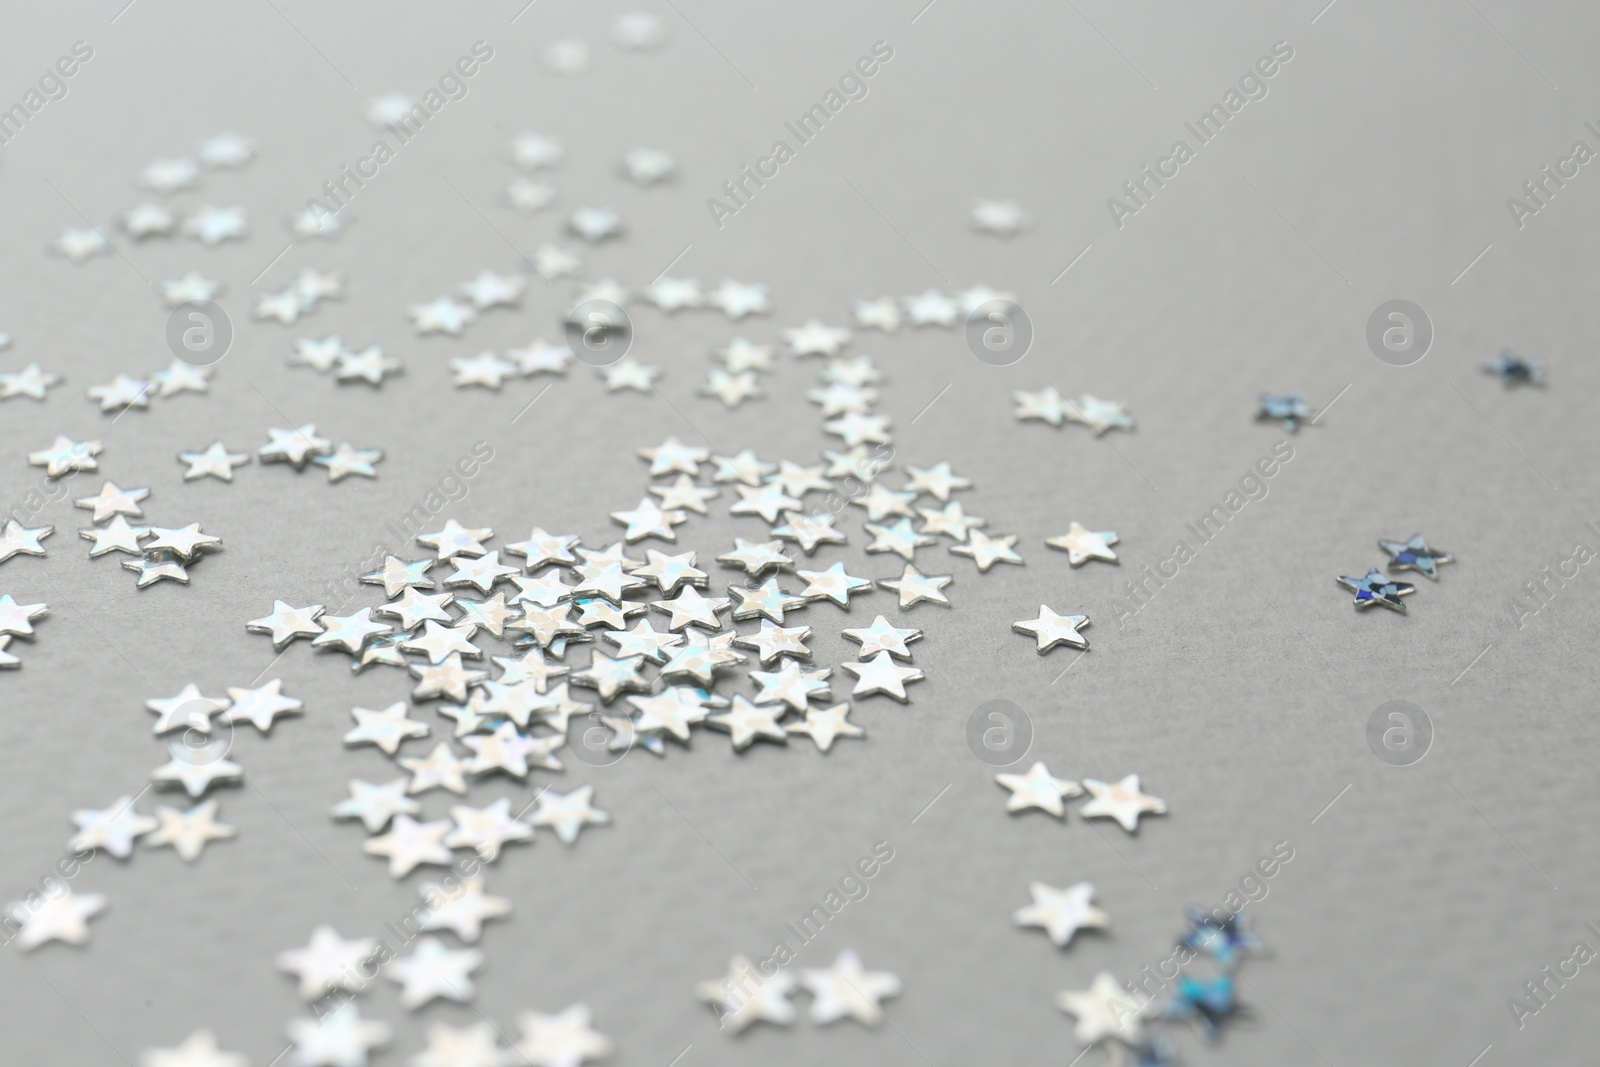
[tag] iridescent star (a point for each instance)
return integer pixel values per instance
(1415, 555)
(1377, 589)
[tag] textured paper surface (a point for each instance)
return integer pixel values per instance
(1377, 167)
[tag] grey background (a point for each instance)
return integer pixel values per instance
(1378, 167)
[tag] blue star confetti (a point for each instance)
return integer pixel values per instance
(1415, 555)
(1290, 408)
(1376, 589)
(1512, 369)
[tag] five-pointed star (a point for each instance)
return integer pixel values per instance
(568, 813)
(684, 494)
(1412, 555)
(746, 467)
(180, 377)
(647, 166)
(529, 196)
(595, 224)
(611, 676)
(489, 290)
(79, 244)
(824, 725)
(199, 1049)
(1038, 789)
(375, 805)
(832, 584)
(189, 831)
(746, 996)
(673, 710)
(113, 501)
(816, 339)
(397, 575)
(186, 542)
(1104, 1010)
(260, 706)
(1099, 415)
(1061, 912)
(915, 587)
(192, 287)
(742, 355)
(880, 314)
(387, 729)
(757, 557)
(113, 828)
(808, 531)
(767, 501)
(123, 392)
(62, 917)
(226, 149)
(541, 548)
(880, 502)
(643, 640)
(531, 667)
(674, 294)
(1513, 369)
(839, 399)
(737, 300)
(880, 674)
(409, 844)
(883, 637)
(414, 608)
(1290, 408)
(169, 175)
(792, 686)
(506, 749)
(449, 679)
(553, 261)
(691, 608)
(857, 370)
(532, 151)
(149, 220)
(18, 618)
(347, 460)
(648, 520)
(766, 601)
(349, 632)
(434, 971)
(284, 306)
(847, 988)
(900, 538)
(731, 389)
(609, 581)
(315, 220)
(629, 373)
(1373, 589)
(30, 381)
(443, 315)
(66, 455)
(952, 521)
(1047, 405)
(196, 767)
(486, 831)
(369, 365)
(437, 642)
(931, 308)
(115, 536)
(747, 723)
(541, 358)
(477, 1045)
(1001, 217)
(329, 962)
(463, 907)
(385, 648)
(986, 551)
(1121, 801)
(484, 369)
(216, 461)
(157, 566)
(213, 225)
(294, 446)
(562, 1040)
(1082, 545)
(491, 614)
(339, 1038)
(287, 623)
(672, 456)
(857, 428)
(1051, 629)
